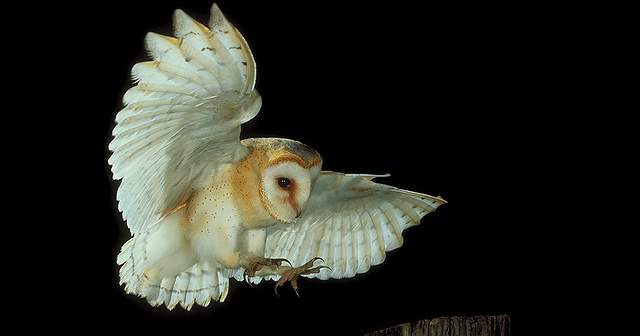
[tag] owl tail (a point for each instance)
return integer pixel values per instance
(156, 265)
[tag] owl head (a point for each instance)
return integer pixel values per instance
(288, 171)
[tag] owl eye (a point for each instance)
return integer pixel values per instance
(284, 182)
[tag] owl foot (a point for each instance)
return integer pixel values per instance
(292, 274)
(257, 263)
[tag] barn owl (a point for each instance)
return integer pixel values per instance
(204, 206)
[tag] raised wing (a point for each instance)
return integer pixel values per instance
(183, 117)
(350, 222)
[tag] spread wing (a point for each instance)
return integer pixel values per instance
(350, 222)
(183, 117)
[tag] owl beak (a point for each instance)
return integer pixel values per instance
(298, 211)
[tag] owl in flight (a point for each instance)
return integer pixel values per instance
(204, 206)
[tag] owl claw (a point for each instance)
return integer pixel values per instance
(292, 274)
(256, 264)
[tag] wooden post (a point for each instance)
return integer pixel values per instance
(452, 326)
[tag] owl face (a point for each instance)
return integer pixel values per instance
(285, 188)
(288, 172)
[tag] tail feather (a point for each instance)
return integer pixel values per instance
(199, 283)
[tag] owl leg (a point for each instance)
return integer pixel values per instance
(291, 274)
(256, 264)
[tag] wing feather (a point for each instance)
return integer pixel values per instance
(376, 241)
(396, 232)
(336, 255)
(182, 118)
(350, 222)
(364, 244)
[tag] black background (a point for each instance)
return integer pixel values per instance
(437, 96)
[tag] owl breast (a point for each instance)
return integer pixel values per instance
(226, 205)
(230, 197)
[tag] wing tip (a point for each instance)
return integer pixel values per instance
(215, 8)
(217, 18)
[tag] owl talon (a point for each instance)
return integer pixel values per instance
(256, 264)
(292, 274)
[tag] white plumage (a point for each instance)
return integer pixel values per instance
(203, 206)
(350, 222)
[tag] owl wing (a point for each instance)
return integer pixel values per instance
(183, 117)
(350, 222)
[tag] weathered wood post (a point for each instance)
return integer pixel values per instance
(482, 325)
